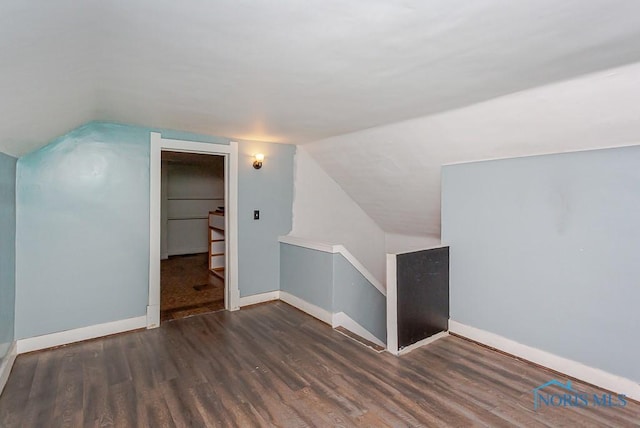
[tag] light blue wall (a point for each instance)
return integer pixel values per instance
(354, 295)
(544, 251)
(83, 230)
(270, 190)
(330, 282)
(7, 251)
(307, 274)
(83, 226)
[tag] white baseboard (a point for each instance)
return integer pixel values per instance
(153, 316)
(598, 377)
(254, 299)
(313, 310)
(79, 334)
(334, 320)
(7, 364)
(421, 343)
(343, 320)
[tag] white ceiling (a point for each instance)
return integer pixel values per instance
(288, 70)
(393, 171)
(316, 71)
(47, 72)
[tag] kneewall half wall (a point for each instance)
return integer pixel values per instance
(325, 283)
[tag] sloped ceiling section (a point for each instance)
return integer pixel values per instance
(290, 71)
(393, 171)
(47, 70)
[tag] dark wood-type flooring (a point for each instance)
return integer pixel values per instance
(271, 365)
(188, 288)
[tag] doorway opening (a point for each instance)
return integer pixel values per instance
(192, 238)
(222, 216)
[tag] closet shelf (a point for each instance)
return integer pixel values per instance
(216, 243)
(187, 218)
(195, 199)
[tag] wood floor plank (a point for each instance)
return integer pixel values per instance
(272, 365)
(70, 391)
(42, 396)
(20, 383)
(178, 400)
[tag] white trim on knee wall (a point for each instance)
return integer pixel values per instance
(341, 319)
(311, 309)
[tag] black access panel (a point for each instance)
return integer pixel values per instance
(423, 294)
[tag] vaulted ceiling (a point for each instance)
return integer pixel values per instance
(288, 71)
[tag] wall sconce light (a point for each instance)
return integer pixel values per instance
(257, 164)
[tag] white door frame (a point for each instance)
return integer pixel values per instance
(392, 304)
(230, 153)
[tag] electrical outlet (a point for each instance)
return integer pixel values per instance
(256, 214)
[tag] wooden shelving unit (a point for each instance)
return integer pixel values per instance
(216, 243)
